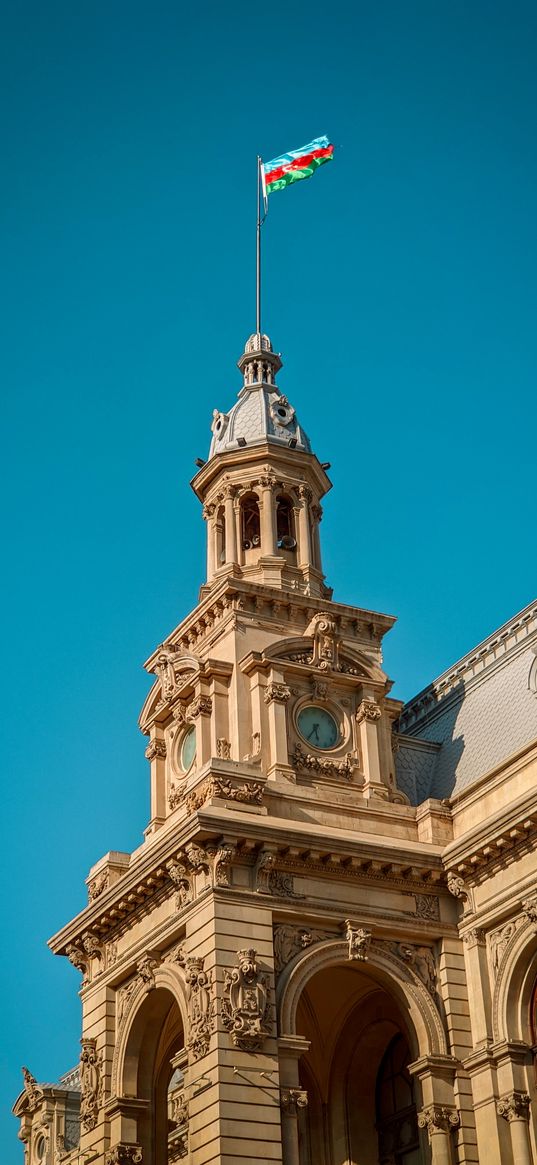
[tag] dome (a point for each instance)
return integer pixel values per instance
(261, 413)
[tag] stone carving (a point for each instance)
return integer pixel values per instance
(201, 706)
(124, 999)
(290, 940)
(328, 768)
(124, 1154)
(457, 886)
(422, 961)
(256, 743)
(223, 749)
(291, 1099)
(90, 1084)
(156, 748)
(98, 885)
(326, 641)
(476, 937)
(176, 796)
(91, 945)
(247, 794)
(111, 953)
(514, 1106)
(270, 880)
(200, 1008)
(319, 688)
(245, 1007)
(529, 909)
(280, 693)
(146, 967)
(427, 906)
(176, 954)
(179, 875)
(437, 1118)
(77, 956)
(358, 939)
(33, 1092)
(499, 940)
(222, 859)
(368, 710)
(198, 857)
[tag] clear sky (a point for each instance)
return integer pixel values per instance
(401, 290)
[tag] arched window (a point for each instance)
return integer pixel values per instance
(397, 1123)
(220, 537)
(250, 526)
(285, 526)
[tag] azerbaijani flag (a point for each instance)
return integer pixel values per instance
(297, 164)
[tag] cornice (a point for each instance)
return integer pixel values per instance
(498, 839)
(238, 460)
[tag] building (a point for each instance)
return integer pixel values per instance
(324, 951)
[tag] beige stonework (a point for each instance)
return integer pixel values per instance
(302, 963)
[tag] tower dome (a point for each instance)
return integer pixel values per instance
(261, 414)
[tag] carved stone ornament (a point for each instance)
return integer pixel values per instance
(326, 642)
(291, 1099)
(33, 1092)
(358, 939)
(78, 957)
(368, 710)
(427, 906)
(124, 999)
(98, 885)
(245, 1007)
(156, 748)
(307, 762)
(436, 1118)
(146, 967)
(90, 1084)
(529, 909)
(200, 1007)
(514, 1106)
(176, 796)
(91, 945)
(319, 688)
(247, 794)
(290, 940)
(476, 937)
(124, 1154)
(421, 960)
(499, 940)
(223, 749)
(280, 693)
(179, 875)
(270, 880)
(456, 886)
(201, 706)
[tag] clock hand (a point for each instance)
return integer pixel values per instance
(315, 730)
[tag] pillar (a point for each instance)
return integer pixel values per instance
(292, 1096)
(304, 527)
(439, 1121)
(268, 525)
(208, 514)
(231, 526)
(514, 1107)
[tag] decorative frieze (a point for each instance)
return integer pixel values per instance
(226, 790)
(124, 1154)
(246, 1005)
(292, 1099)
(277, 693)
(438, 1118)
(90, 1084)
(358, 940)
(369, 711)
(513, 1106)
(200, 1007)
(427, 907)
(308, 762)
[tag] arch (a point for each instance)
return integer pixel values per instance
(181, 666)
(250, 522)
(511, 1004)
(220, 534)
(167, 977)
(425, 1028)
(285, 523)
(286, 650)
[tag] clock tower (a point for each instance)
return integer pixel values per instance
(259, 972)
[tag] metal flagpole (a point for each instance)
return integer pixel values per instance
(258, 263)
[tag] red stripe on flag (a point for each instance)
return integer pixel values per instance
(297, 164)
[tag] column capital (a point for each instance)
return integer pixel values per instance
(514, 1105)
(291, 1099)
(438, 1118)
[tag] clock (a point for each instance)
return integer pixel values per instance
(318, 727)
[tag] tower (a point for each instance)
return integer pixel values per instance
(276, 974)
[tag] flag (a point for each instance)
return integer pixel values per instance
(297, 164)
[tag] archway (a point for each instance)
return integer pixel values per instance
(152, 1075)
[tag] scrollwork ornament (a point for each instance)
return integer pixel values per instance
(124, 1154)
(279, 693)
(358, 940)
(369, 711)
(200, 1007)
(156, 749)
(529, 909)
(513, 1106)
(437, 1118)
(292, 1099)
(33, 1092)
(245, 1007)
(90, 1084)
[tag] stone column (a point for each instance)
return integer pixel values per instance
(305, 554)
(208, 514)
(156, 755)
(231, 527)
(514, 1107)
(439, 1120)
(292, 1096)
(367, 717)
(316, 513)
(276, 695)
(268, 525)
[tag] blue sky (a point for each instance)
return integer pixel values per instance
(400, 286)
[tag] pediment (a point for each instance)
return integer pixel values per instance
(304, 652)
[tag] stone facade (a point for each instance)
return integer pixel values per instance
(307, 960)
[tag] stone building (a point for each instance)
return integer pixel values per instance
(324, 951)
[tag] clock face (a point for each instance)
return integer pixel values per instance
(318, 727)
(188, 749)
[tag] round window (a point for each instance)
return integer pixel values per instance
(187, 753)
(318, 727)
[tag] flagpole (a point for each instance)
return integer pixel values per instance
(258, 251)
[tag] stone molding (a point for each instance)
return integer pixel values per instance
(514, 1105)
